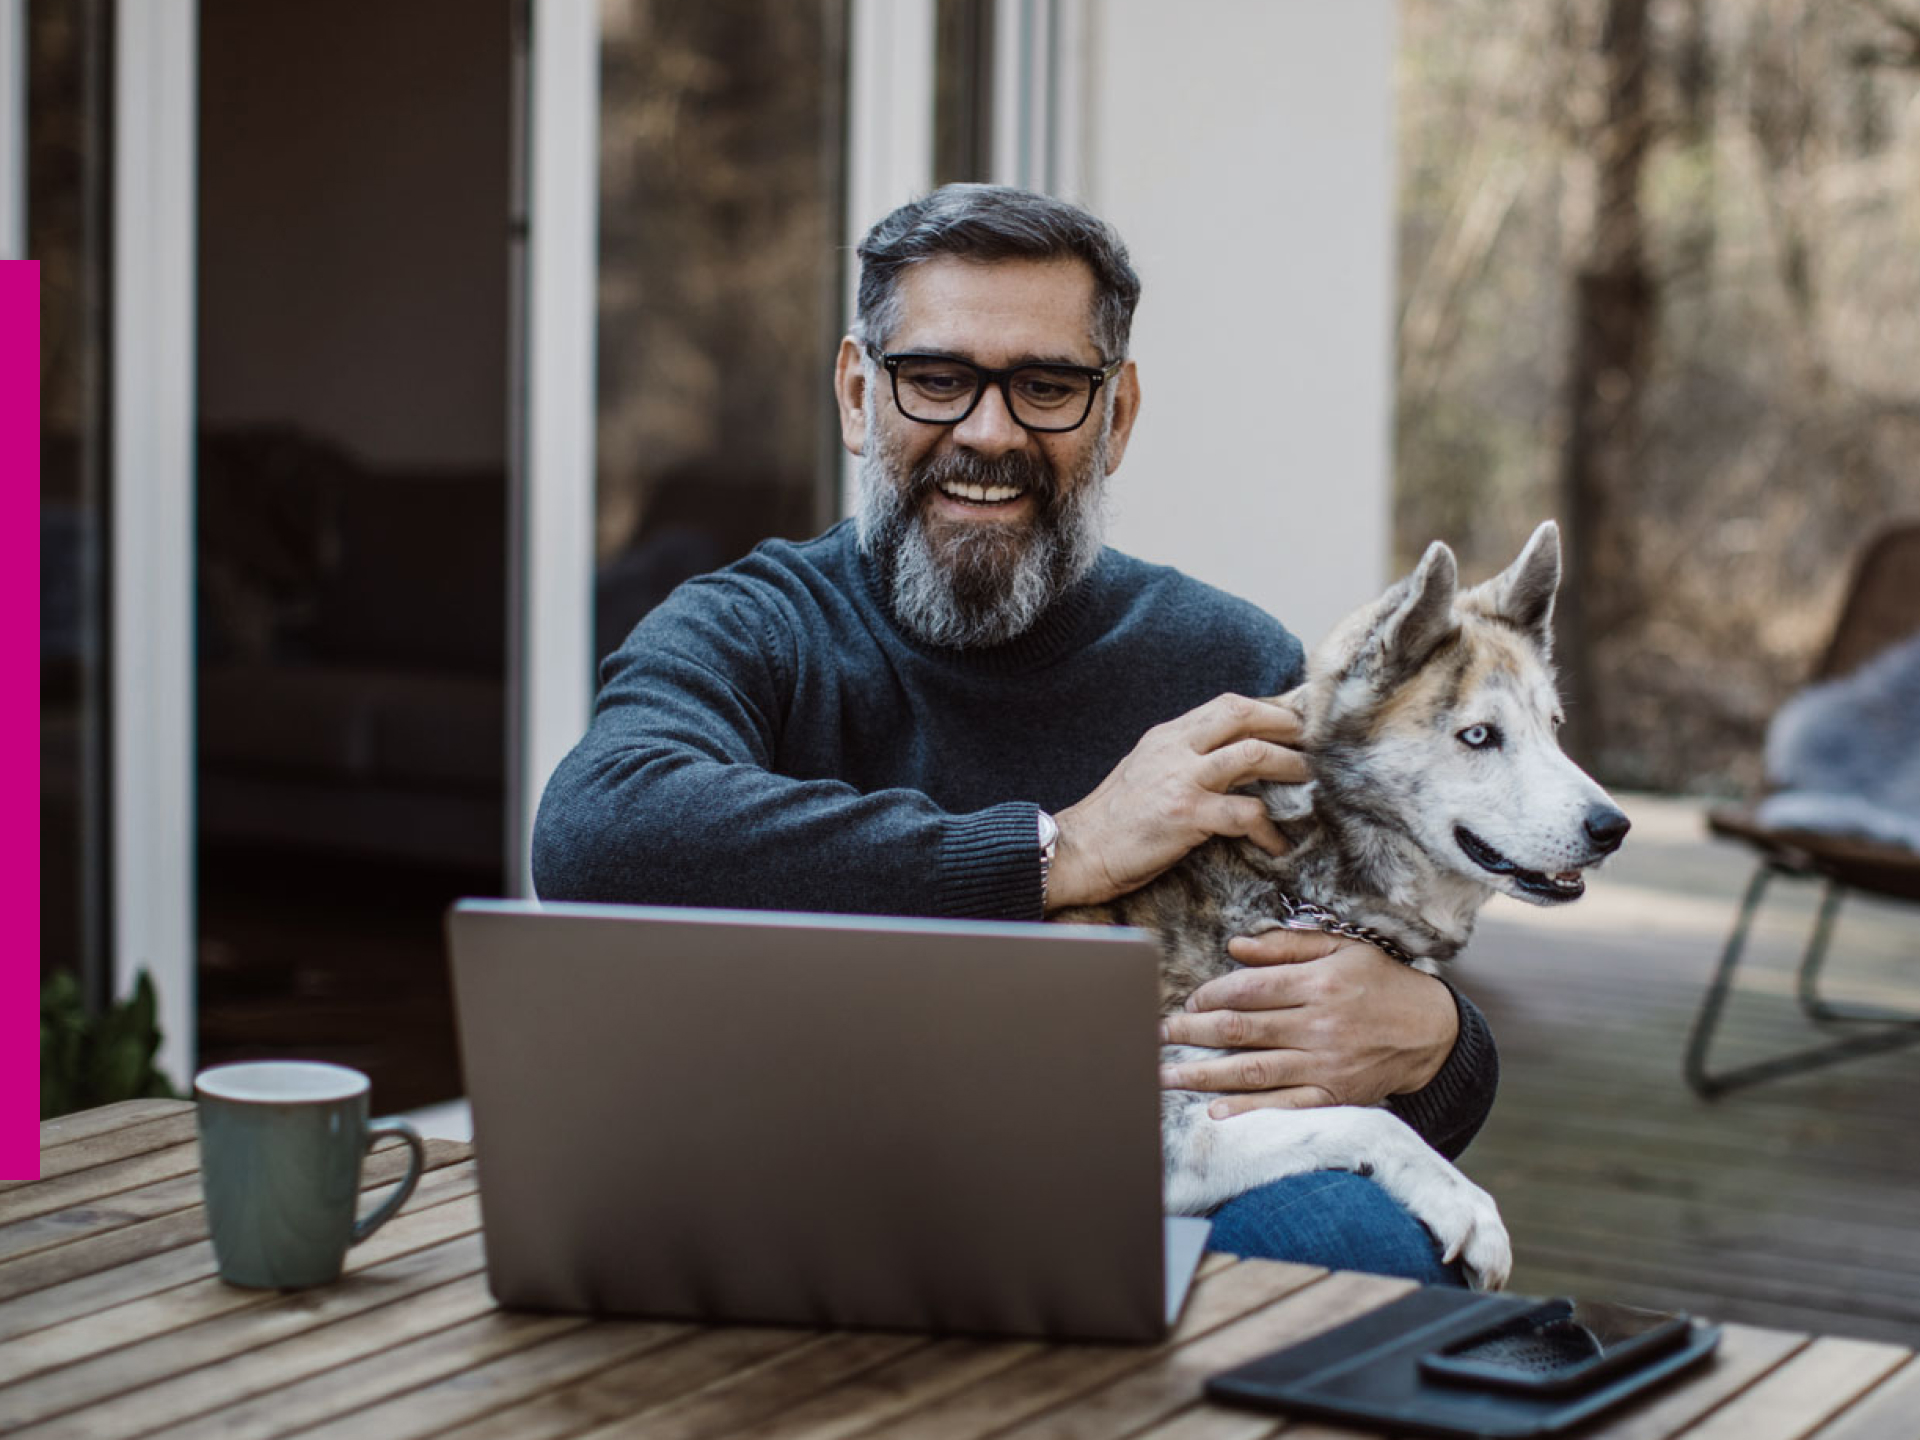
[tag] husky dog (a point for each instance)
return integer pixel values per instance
(1428, 720)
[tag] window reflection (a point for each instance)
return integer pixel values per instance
(719, 276)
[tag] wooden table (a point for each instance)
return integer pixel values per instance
(113, 1323)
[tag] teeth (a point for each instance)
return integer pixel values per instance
(984, 494)
(1567, 877)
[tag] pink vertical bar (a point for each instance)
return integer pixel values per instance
(20, 721)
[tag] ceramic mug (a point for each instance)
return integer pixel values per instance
(281, 1144)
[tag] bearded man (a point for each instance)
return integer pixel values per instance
(963, 704)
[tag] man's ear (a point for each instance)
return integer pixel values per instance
(1126, 409)
(850, 393)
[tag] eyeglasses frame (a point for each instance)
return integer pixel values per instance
(1098, 375)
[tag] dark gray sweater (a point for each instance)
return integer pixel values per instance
(767, 738)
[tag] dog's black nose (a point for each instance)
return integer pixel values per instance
(1606, 828)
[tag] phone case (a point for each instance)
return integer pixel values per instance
(1368, 1370)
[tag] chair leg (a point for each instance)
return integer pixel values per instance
(1893, 1030)
(1815, 1006)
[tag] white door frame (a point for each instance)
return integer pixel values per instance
(1039, 95)
(889, 156)
(155, 103)
(551, 679)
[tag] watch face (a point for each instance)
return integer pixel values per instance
(1049, 832)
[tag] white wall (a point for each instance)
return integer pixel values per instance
(1245, 151)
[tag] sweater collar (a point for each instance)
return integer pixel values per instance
(1055, 633)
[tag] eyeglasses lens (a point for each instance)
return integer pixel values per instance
(1043, 396)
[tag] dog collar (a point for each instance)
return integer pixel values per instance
(1305, 915)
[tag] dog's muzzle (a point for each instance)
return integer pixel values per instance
(1565, 885)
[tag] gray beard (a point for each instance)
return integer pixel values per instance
(984, 584)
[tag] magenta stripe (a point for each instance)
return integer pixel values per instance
(20, 742)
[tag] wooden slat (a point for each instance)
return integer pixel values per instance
(85, 1218)
(63, 1229)
(706, 1358)
(1888, 1412)
(316, 1375)
(156, 1133)
(1801, 1395)
(204, 1297)
(1173, 1381)
(1743, 1356)
(1217, 1422)
(783, 1381)
(912, 1383)
(104, 1249)
(503, 1385)
(135, 1354)
(130, 1264)
(131, 1260)
(97, 1183)
(64, 1129)
(1061, 1373)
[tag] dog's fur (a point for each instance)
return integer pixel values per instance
(1429, 721)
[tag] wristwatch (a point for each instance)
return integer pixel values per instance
(1049, 842)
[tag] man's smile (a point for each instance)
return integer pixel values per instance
(982, 494)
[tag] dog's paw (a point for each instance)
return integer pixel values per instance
(1466, 1222)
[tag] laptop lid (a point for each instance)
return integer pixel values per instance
(818, 1120)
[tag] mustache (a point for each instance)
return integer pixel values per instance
(1022, 469)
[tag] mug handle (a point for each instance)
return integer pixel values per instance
(416, 1163)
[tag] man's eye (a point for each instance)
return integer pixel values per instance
(1045, 389)
(938, 382)
(1480, 737)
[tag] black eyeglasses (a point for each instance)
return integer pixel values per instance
(943, 390)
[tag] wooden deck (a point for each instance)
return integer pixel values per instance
(1794, 1204)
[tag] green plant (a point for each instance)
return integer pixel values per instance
(88, 1060)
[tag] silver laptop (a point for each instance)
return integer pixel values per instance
(819, 1120)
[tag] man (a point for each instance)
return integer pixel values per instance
(962, 704)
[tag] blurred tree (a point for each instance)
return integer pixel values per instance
(1659, 263)
(1610, 350)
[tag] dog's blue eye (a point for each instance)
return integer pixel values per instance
(1480, 737)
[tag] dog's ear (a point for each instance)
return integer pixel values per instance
(1522, 594)
(1419, 616)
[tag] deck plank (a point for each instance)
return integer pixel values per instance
(1787, 1205)
(1814, 1385)
(1063, 1373)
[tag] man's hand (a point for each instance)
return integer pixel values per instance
(1320, 1019)
(1171, 793)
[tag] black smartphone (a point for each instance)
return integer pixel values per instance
(1562, 1346)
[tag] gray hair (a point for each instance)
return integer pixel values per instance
(987, 223)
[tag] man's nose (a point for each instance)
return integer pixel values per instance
(991, 428)
(1606, 827)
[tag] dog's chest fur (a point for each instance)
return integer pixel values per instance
(1228, 887)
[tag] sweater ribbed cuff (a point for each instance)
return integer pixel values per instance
(990, 865)
(1450, 1109)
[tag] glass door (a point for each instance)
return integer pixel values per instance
(352, 522)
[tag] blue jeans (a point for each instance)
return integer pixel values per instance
(1333, 1218)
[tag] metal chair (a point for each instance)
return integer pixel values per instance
(1882, 607)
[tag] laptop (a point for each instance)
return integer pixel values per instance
(946, 1126)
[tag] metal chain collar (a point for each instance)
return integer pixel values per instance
(1305, 915)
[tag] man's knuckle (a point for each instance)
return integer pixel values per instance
(1257, 1072)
